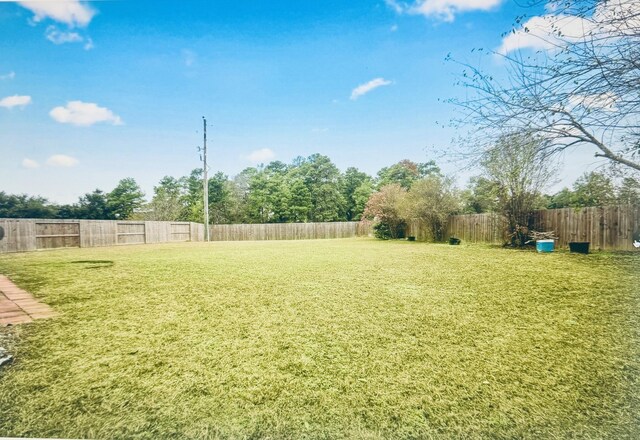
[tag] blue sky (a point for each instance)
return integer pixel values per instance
(92, 92)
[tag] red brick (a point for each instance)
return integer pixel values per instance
(14, 293)
(28, 302)
(22, 319)
(43, 315)
(32, 310)
(10, 308)
(6, 304)
(23, 297)
(12, 313)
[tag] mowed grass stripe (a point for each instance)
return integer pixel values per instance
(344, 338)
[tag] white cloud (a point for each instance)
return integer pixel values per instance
(15, 101)
(29, 163)
(396, 6)
(365, 88)
(393, 28)
(261, 155)
(603, 101)
(57, 36)
(71, 12)
(88, 45)
(61, 160)
(9, 75)
(546, 32)
(444, 10)
(84, 114)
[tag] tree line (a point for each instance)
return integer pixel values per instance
(120, 203)
(310, 189)
(313, 189)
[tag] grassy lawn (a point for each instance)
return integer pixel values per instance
(325, 339)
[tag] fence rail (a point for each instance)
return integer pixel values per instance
(20, 235)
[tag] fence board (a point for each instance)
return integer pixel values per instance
(51, 235)
(476, 228)
(179, 232)
(131, 233)
(19, 235)
(196, 232)
(97, 233)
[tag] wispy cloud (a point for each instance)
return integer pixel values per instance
(61, 160)
(445, 10)
(397, 6)
(70, 12)
(189, 57)
(604, 101)
(57, 36)
(15, 101)
(29, 163)
(365, 88)
(9, 75)
(84, 114)
(261, 155)
(88, 44)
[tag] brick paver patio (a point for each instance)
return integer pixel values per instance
(18, 306)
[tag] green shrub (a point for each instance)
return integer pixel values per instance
(385, 231)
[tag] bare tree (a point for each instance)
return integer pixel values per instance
(519, 170)
(580, 88)
(432, 199)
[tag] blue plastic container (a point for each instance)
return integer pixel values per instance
(545, 245)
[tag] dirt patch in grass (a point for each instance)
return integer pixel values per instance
(325, 339)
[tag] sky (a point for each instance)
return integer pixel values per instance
(93, 92)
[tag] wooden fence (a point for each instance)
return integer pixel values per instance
(606, 228)
(477, 228)
(288, 231)
(19, 235)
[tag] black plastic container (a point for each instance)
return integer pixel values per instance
(454, 240)
(579, 247)
(411, 238)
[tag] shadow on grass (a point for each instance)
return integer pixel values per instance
(94, 264)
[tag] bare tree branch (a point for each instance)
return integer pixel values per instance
(583, 90)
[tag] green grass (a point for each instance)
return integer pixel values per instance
(325, 339)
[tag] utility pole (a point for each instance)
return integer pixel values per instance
(205, 182)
